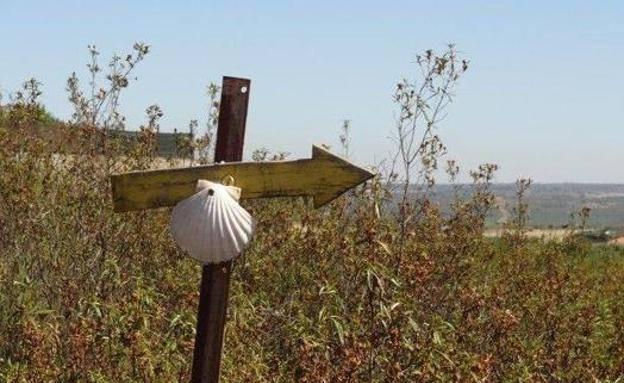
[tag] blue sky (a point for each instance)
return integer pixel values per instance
(543, 96)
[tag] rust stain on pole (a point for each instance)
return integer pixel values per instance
(215, 283)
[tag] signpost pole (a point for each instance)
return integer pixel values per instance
(215, 282)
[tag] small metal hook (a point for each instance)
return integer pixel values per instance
(228, 180)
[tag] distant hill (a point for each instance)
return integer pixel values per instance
(56, 132)
(167, 142)
(550, 205)
(52, 129)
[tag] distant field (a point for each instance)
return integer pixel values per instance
(546, 234)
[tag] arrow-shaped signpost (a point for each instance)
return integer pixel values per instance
(323, 177)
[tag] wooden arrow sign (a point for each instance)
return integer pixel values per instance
(324, 177)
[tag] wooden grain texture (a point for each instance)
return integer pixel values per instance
(325, 176)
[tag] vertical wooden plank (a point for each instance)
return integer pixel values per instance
(215, 283)
(232, 119)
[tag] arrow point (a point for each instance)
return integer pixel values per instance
(343, 176)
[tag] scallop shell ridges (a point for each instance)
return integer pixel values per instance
(210, 225)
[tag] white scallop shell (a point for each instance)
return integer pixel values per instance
(210, 225)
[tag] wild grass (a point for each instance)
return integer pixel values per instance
(346, 293)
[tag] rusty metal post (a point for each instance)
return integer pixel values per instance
(215, 283)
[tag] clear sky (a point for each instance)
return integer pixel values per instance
(543, 97)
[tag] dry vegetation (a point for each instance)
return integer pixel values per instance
(348, 293)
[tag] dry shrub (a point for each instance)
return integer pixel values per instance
(348, 293)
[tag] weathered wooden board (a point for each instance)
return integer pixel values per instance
(324, 177)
